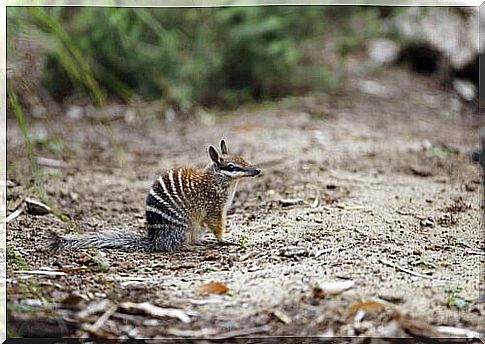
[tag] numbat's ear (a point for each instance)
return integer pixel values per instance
(213, 154)
(223, 146)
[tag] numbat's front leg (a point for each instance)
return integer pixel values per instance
(216, 224)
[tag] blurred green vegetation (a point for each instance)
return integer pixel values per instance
(209, 56)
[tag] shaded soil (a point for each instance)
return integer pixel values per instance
(373, 178)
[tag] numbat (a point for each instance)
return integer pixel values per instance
(181, 205)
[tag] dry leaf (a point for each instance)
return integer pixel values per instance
(213, 288)
(331, 288)
(367, 306)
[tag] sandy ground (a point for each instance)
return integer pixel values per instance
(351, 181)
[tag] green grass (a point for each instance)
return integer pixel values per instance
(424, 261)
(209, 56)
(100, 263)
(66, 51)
(15, 259)
(243, 240)
(209, 268)
(22, 123)
(454, 300)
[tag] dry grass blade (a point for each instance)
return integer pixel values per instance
(403, 269)
(156, 311)
(22, 123)
(213, 288)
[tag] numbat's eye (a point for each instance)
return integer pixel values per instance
(230, 167)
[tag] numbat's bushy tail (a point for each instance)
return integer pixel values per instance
(161, 240)
(180, 206)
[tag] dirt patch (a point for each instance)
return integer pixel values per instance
(350, 181)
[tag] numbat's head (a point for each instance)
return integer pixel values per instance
(233, 167)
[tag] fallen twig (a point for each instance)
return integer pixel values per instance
(202, 333)
(456, 332)
(349, 207)
(247, 256)
(153, 310)
(14, 215)
(475, 252)
(74, 270)
(204, 302)
(41, 272)
(293, 252)
(282, 316)
(182, 266)
(243, 332)
(93, 308)
(101, 320)
(405, 213)
(403, 269)
(47, 162)
(421, 328)
(320, 252)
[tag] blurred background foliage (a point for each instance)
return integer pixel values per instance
(209, 56)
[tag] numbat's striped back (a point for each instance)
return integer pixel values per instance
(181, 205)
(179, 202)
